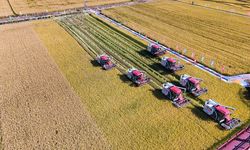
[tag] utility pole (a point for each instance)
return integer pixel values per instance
(84, 8)
(85, 4)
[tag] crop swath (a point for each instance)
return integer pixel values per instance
(102, 38)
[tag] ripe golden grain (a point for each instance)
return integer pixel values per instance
(216, 35)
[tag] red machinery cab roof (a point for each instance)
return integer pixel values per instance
(222, 110)
(175, 89)
(156, 46)
(104, 57)
(171, 60)
(136, 72)
(193, 80)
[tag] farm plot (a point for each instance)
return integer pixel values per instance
(234, 6)
(33, 6)
(5, 9)
(219, 37)
(138, 118)
(39, 109)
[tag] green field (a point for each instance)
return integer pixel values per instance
(216, 35)
(131, 117)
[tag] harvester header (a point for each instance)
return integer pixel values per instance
(155, 49)
(221, 114)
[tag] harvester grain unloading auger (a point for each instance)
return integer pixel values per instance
(171, 64)
(105, 61)
(155, 49)
(192, 85)
(175, 94)
(137, 76)
(221, 114)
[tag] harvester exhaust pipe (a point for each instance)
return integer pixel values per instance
(229, 107)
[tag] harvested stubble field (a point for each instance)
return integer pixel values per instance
(39, 109)
(33, 6)
(5, 9)
(130, 117)
(215, 35)
(234, 6)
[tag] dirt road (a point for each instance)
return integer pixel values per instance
(38, 107)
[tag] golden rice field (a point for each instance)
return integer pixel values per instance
(218, 36)
(234, 6)
(54, 95)
(137, 118)
(33, 6)
(38, 107)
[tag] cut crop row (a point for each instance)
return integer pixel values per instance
(99, 38)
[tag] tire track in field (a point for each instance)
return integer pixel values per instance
(12, 9)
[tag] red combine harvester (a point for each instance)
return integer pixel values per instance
(192, 85)
(171, 64)
(155, 49)
(105, 61)
(221, 114)
(175, 94)
(137, 76)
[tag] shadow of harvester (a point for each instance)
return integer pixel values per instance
(95, 63)
(246, 93)
(198, 112)
(146, 54)
(126, 80)
(158, 94)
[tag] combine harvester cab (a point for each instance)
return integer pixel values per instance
(105, 61)
(137, 76)
(192, 85)
(155, 49)
(171, 64)
(221, 114)
(175, 94)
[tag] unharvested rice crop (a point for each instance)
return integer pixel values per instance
(131, 117)
(5, 9)
(220, 37)
(33, 6)
(39, 109)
